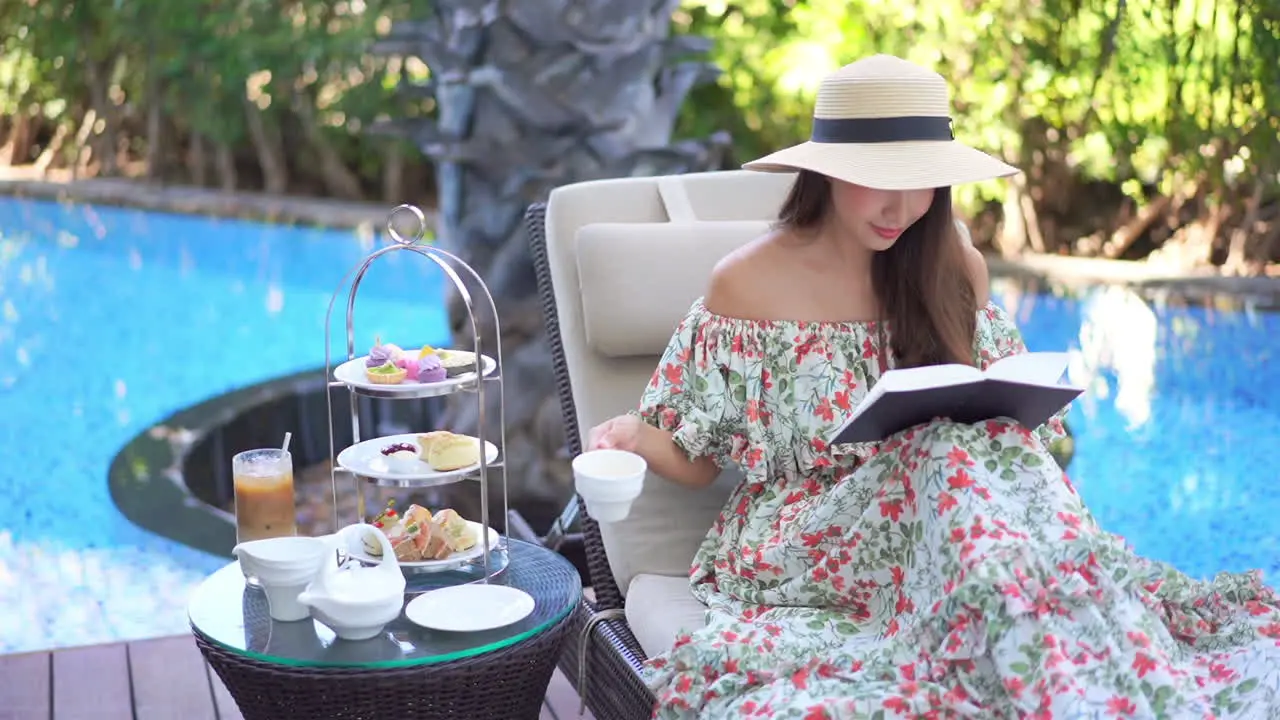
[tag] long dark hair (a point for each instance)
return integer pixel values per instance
(921, 283)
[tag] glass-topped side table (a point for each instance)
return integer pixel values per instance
(301, 670)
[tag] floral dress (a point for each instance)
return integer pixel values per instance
(950, 571)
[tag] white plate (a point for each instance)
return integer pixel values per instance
(352, 373)
(366, 459)
(356, 550)
(469, 608)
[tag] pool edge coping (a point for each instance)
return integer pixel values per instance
(146, 477)
(362, 216)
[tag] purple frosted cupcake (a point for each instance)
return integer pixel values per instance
(430, 370)
(380, 354)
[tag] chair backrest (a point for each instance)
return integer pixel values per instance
(624, 260)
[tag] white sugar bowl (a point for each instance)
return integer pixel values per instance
(357, 602)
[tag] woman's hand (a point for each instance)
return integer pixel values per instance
(623, 432)
(630, 433)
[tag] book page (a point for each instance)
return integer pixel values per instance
(1033, 368)
(930, 376)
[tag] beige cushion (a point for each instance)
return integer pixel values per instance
(667, 522)
(659, 608)
(635, 278)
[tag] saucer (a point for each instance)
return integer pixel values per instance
(469, 608)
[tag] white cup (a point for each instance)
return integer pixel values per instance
(608, 481)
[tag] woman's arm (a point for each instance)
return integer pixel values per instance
(658, 447)
(679, 428)
(666, 459)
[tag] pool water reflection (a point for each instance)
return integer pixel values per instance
(1175, 437)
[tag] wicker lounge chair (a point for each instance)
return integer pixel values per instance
(619, 262)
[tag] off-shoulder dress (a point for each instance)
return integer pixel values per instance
(951, 571)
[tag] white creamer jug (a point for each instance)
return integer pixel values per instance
(357, 602)
(283, 566)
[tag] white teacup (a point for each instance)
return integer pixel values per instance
(608, 481)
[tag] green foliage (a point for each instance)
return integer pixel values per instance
(1136, 93)
(1118, 90)
(201, 62)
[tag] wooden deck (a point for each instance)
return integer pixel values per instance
(159, 679)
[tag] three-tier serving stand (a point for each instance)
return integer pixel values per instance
(487, 377)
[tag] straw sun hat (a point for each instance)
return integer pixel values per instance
(885, 123)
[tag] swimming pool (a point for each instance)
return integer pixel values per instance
(1177, 435)
(112, 319)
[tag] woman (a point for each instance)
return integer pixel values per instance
(950, 571)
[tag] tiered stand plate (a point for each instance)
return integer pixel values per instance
(351, 374)
(365, 459)
(362, 460)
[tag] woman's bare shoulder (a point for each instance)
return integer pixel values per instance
(743, 282)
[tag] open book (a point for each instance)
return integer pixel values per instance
(1028, 387)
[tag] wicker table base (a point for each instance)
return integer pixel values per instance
(507, 684)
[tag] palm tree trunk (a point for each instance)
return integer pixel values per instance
(529, 96)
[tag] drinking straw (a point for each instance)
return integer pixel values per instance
(287, 437)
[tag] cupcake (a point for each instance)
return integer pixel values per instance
(386, 374)
(430, 370)
(379, 354)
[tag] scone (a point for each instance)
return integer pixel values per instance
(453, 453)
(427, 440)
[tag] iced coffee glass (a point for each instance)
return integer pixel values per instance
(263, 481)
